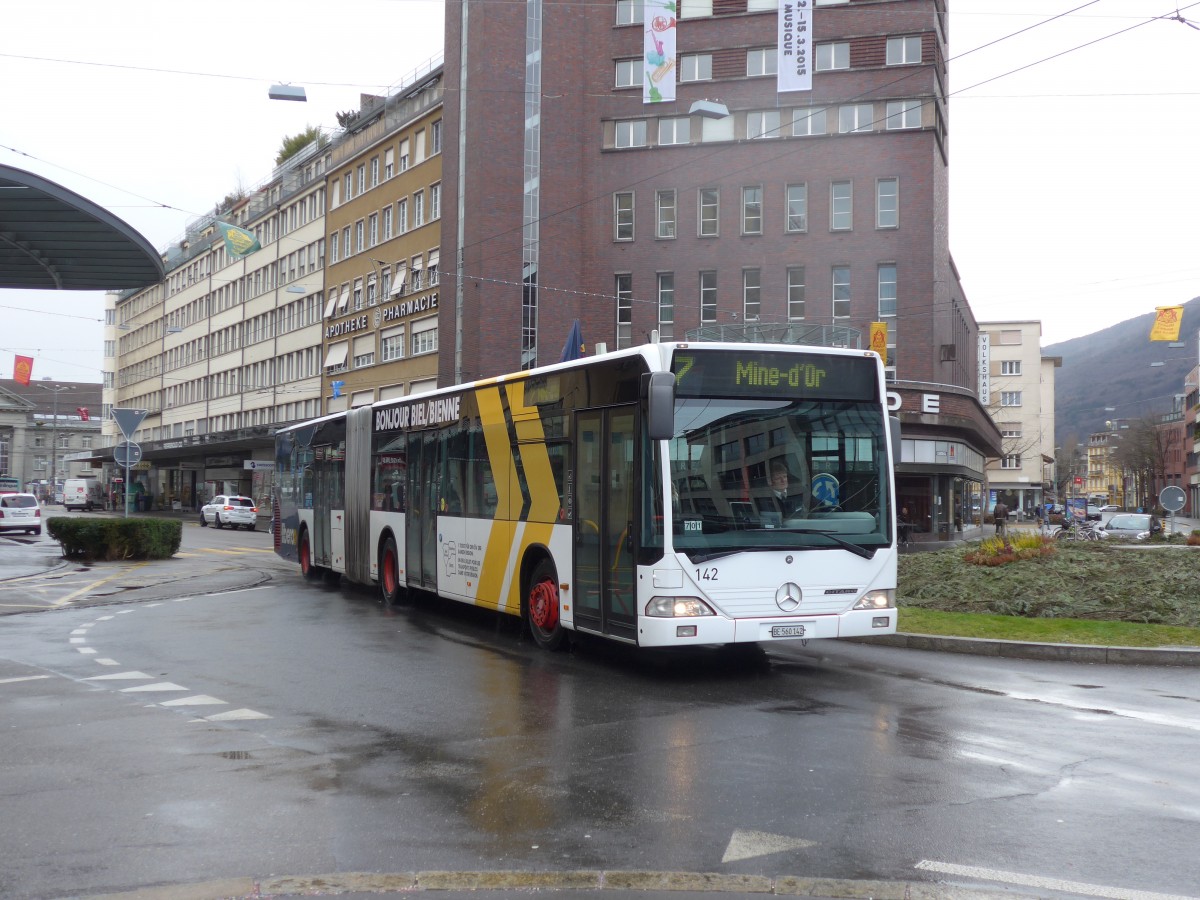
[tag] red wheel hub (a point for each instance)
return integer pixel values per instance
(389, 572)
(543, 605)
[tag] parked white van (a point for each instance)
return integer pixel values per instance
(83, 493)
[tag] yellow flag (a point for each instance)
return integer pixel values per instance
(879, 339)
(1167, 320)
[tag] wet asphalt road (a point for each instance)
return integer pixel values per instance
(291, 729)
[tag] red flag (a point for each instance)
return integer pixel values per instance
(83, 413)
(23, 370)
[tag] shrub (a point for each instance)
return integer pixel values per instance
(112, 539)
(999, 551)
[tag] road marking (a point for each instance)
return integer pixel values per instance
(1038, 881)
(195, 700)
(120, 676)
(24, 678)
(85, 650)
(107, 662)
(748, 844)
(83, 590)
(235, 714)
(158, 686)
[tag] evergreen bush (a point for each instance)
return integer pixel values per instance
(114, 539)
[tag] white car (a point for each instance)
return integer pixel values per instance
(231, 510)
(20, 512)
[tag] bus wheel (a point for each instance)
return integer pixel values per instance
(389, 573)
(307, 569)
(542, 608)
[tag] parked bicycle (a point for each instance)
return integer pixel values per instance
(1076, 530)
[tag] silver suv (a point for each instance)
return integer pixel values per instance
(231, 510)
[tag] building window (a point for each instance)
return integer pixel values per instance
(693, 9)
(624, 292)
(808, 121)
(841, 292)
(435, 201)
(391, 344)
(751, 294)
(1010, 398)
(387, 222)
(335, 247)
(666, 304)
(418, 209)
(675, 130)
(695, 67)
(664, 214)
(855, 117)
(887, 203)
(403, 156)
(1011, 429)
(359, 230)
(629, 12)
(752, 209)
(1010, 337)
(364, 351)
(357, 294)
(401, 216)
(903, 51)
(372, 229)
(833, 55)
(631, 133)
(628, 73)
(389, 162)
(887, 291)
(374, 171)
(425, 336)
(1011, 461)
(903, 114)
(760, 61)
(1010, 367)
(708, 296)
(795, 292)
(623, 216)
(797, 208)
(762, 124)
(841, 206)
(349, 187)
(435, 137)
(346, 242)
(709, 209)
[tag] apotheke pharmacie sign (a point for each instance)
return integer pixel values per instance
(384, 315)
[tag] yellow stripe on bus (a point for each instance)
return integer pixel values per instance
(539, 477)
(508, 498)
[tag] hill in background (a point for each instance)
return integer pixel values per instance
(1112, 368)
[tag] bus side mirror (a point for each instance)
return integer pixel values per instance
(659, 389)
(894, 425)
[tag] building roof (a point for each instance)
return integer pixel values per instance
(53, 239)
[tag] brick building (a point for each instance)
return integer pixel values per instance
(569, 197)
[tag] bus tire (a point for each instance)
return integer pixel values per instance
(307, 569)
(542, 607)
(390, 590)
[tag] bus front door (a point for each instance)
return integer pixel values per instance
(605, 443)
(420, 514)
(324, 490)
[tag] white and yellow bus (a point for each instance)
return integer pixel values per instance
(666, 495)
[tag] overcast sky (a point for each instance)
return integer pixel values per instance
(1074, 197)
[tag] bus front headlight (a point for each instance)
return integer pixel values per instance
(677, 607)
(878, 599)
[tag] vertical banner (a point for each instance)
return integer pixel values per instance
(795, 54)
(658, 85)
(879, 340)
(23, 369)
(1167, 320)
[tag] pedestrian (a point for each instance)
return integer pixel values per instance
(1039, 511)
(1000, 517)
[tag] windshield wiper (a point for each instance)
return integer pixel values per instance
(856, 549)
(733, 551)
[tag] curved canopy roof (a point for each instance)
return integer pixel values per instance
(53, 239)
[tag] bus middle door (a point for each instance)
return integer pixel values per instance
(421, 513)
(605, 450)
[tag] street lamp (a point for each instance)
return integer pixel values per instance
(56, 390)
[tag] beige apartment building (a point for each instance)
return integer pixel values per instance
(384, 183)
(1019, 396)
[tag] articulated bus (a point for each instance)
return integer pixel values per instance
(638, 495)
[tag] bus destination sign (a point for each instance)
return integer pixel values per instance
(809, 375)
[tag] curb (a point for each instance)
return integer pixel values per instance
(1076, 653)
(584, 880)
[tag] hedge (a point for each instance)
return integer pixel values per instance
(112, 539)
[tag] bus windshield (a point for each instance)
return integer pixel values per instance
(755, 474)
